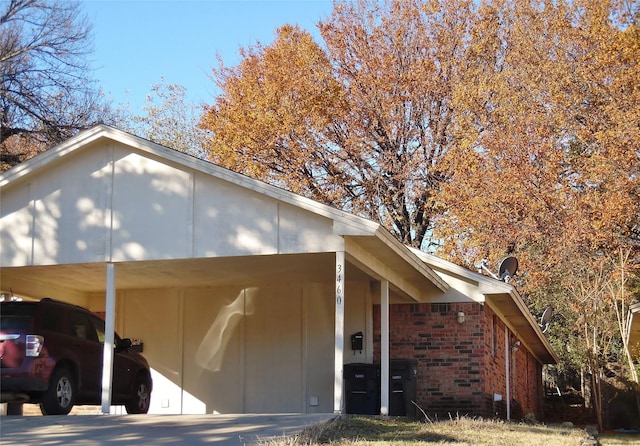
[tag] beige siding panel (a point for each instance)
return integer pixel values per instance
(319, 343)
(155, 317)
(273, 354)
(357, 309)
(16, 226)
(232, 350)
(213, 350)
(151, 209)
(59, 217)
(301, 231)
(232, 221)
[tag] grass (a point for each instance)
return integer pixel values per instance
(362, 431)
(608, 439)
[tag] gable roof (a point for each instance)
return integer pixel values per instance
(504, 299)
(346, 223)
(379, 241)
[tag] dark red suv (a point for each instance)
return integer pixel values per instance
(51, 353)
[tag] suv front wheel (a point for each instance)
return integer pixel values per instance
(59, 398)
(141, 398)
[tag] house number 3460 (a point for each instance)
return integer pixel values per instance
(339, 289)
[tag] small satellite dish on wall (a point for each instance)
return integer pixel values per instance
(508, 268)
(546, 319)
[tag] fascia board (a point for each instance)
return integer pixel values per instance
(533, 324)
(457, 270)
(409, 254)
(344, 223)
(52, 154)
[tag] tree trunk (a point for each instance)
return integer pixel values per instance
(585, 388)
(596, 389)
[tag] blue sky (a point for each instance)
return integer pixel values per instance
(137, 43)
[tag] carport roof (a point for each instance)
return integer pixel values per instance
(414, 279)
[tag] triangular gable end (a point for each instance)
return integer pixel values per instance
(123, 198)
(345, 223)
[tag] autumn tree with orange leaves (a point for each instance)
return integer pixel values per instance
(472, 129)
(549, 167)
(360, 124)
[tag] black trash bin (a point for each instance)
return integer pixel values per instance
(403, 375)
(362, 388)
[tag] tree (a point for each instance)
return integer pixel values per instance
(483, 128)
(362, 124)
(549, 166)
(169, 120)
(46, 93)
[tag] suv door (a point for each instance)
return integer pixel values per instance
(89, 353)
(124, 368)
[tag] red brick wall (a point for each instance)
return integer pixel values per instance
(460, 366)
(526, 384)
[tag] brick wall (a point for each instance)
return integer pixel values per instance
(460, 366)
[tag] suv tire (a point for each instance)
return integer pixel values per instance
(59, 398)
(141, 397)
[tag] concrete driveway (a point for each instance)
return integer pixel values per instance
(90, 430)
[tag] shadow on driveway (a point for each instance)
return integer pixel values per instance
(90, 430)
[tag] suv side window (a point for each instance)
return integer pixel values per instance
(80, 327)
(99, 326)
(52, 318)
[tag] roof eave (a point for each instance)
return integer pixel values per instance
(489, 286)
(537, 342)
(344, 223)
(412, 259)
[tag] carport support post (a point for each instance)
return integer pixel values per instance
(109, 338)
(384, 348)
(339, 334)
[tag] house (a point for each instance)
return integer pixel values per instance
(243, 296)
(479, 349)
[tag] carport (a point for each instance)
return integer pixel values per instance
(179, 251)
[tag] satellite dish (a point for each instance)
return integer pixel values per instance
(508, 268)
(546, 319)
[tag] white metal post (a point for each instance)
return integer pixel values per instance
(384, 348)
(109, 338)
(339, 334)
(507, 360)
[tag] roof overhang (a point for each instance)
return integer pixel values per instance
(368, 247)
(505, 301)
(517, 317)
(384, 258)
(344, 222)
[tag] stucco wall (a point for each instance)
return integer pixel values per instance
(268, 348)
